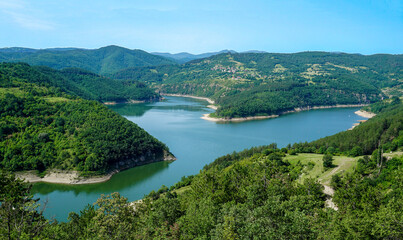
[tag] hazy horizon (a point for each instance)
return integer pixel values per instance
(173, 53)
(365, 27)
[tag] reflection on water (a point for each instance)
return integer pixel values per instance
(118, 182)
(137, 109)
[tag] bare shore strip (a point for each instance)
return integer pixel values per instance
(208, 118)
(130, 101)
(74, 178)
(63, 177)
(190, 96)
(365, 114)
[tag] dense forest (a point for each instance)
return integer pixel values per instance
(105, 60)
(253, 194)
(44, 124)
(249, 84)
(79, 82)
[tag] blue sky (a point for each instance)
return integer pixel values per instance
(352, 26)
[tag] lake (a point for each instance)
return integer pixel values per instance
(195, 142)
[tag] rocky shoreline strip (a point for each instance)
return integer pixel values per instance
(130, 101)
(208, 118)
(74, 178)
(365, 114)
(189, 96)
(63, 177)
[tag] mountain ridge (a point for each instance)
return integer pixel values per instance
(104, 60)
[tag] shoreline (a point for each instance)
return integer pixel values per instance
(365, 114)
(208, 118)
(211, 102)
(63, 177)
(126, 102)
(131, 102)
(72, 177)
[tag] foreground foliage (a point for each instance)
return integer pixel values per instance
(255, 197)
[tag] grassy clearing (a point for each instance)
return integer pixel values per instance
(342, 164)
(56, 99)
(16, 91)
(181, 190)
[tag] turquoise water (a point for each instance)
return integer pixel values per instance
(195, 142)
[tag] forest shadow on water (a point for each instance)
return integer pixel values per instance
(122, 180)
(139, 109)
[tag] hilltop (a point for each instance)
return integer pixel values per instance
(105, 60)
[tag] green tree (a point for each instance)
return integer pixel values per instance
(327, 160)
(19, 218)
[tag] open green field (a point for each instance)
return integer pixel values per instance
(15, 91)
(56, 99)
(182, 190)
(313, 166)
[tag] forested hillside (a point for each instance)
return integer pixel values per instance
(250, 84)
(384, 130)
(105, 60)
(82, 83)
(44, 124)
(253, 194)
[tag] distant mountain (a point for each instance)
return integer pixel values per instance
(104, 61)
(184, 57)
(17, 50)
(254, 51)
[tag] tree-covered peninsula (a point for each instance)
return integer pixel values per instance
(259, 193)
(48, 120)
(254, 84)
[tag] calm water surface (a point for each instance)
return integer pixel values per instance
(195, 142)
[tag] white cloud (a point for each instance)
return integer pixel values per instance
(24, 15)
(4, 4)
(29, 22)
